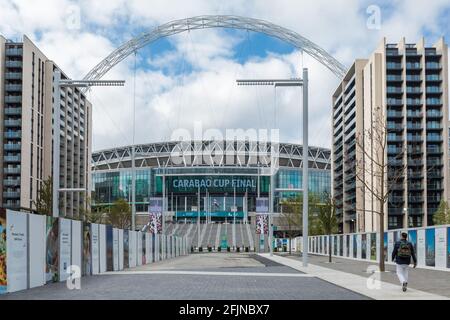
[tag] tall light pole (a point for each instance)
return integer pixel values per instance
(291, 83)
(59, 83)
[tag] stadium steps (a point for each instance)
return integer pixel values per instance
(203, 232)
(233, 234)
(251, 241)
(219, 228)
(174, 231)
(238, 235)
(210, 233)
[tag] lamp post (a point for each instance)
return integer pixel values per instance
(291, 83)
(59, 83)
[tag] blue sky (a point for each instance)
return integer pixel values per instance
(190, 77)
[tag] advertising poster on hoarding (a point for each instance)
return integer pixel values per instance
(262, 224)
(412, 237)
(347, 245)
(115, 249)
(65, 244)
(87, 261)
(385, 242)
(448, 247)
(335, 245)
(320, 245)
(155, 220)
(355, 246)
(421, 247)
(390, 245)
(3, 278)
(95, 248)
(440, 250)
(17, 250)
(430, 247)
(52, 250)
(341, 246)
(325, 244)
(109, 248)
(364, 246)
(373, 246)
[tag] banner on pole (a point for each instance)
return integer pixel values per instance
(262, 205)
(262, 224)
(155, 209)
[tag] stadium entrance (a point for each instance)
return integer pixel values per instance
(212, 198)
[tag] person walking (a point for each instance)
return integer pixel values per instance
(402, 254)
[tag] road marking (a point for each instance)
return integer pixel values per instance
(212, 273)
(356, 283)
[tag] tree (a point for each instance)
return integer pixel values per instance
(327, 220)
(120, 214)
(44, 202)
(377, 173)
(292, 215)
(442, 214)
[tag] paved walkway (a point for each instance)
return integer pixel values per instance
(207, 276)
(353, 275)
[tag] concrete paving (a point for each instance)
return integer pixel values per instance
(431, 281)
(199, 277)
(369, 284)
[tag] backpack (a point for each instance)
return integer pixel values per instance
(404, 250)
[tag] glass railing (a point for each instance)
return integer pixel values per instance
(413, 78)
(433, 77)
(13, 111)
(13, 64)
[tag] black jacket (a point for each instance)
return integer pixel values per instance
(401, 260)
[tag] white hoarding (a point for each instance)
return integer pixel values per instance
(358, 246)
(390, 245)
(120, 249)
(16, 250)
(37, 229)
(115, 249)
(95, 249)
(132, 249)
(441, 247)
(421, 247)
(102, 246)
(65, 254)
(77, 245)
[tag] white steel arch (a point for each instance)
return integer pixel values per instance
(217, 21)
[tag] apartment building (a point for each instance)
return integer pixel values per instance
(401, 90)
(26, 117)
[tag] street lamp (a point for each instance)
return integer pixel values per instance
(291, 83)
(59, 83)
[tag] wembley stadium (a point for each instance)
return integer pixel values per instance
(216, 181)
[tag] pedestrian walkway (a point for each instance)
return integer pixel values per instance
(353, 275)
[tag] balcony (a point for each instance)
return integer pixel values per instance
(414, 126)
(394, 138)
(415, 211)
(11, 158)
(434, 102)
(394, 78)
(436, 199)
(415, 162)
(394, 114)
(394, 126)
(413, 90)
(433, 90)
(13, 99)
(13, 75)
(414, 102)
(13, 87)
(11, 182)
(434, 138)
(415, 174)
(393, 66)
(434, 114)
(13, 64)
(415, 199)
(413, 66)
(395, 90)
(12, 146)
(433, 65)
(15, 170)
(393, 150)
(14, 52)
(394, 102)
(434, 126)
(413, 78)
(13, 123)
(415, 186)
(396, 199)
(433, 77)
(414, 138)
(11, 194)
(434, 162)
(436, 150)
(13, 111)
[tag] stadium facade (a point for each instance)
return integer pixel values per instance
(221, 177)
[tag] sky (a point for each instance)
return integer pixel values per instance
(188, 78)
